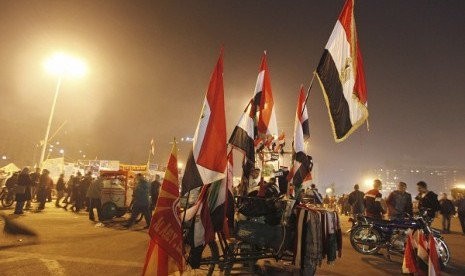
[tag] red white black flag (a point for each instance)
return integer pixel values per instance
(342, 77)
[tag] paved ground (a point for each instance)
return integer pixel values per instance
(70, 244)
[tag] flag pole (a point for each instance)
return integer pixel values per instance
(308, 92)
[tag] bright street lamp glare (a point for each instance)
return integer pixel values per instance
(63, 65)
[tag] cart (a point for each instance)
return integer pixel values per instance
(115, 193)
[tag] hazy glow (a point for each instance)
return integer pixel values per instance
(368, 182)
(61, 64)
(180, 165)
(460, 186)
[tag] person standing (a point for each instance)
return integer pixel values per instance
(23, 190)
(85, 183)
(61, 185)
(399, 202)
(94, 194)
(155, 190)
(427, 200)
(373, 200)
(141, 202)
(447, 210)
(44, 182)
(76, 196)
(69, 191)
(356, 201)
(35, 178)
(461, 210)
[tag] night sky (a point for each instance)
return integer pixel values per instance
(150, 63)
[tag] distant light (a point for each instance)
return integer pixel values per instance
(329, 190)
(50, 150)
(4, 157)
(460, 186)
(63, 65)
(58, 143)
(83, 156)
(368, 182)
(62, 151)
(180, 165)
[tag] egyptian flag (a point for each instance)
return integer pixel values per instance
(409, 265)
(264, 105)
(433, 260)
(165, 253)
(221, 200)
(200, 212)
(422, 254)
(301, 168)
(243, 134)
(207, 161)
(278, 145)
(342, 77)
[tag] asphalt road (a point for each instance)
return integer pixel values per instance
(70, 244)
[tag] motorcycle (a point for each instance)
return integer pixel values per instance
(369, 235)
(6, 197)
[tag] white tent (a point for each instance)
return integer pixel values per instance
(10, 168)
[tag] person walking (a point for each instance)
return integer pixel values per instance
(61, 186)
(44, 182)
(427, 200)
(373, 200)
(447, 210)
(94, 194)
(76, 196)
(356, 201)
(141, 202)
(461, 210)
(84, 186)
(399, 202)
(22, 190)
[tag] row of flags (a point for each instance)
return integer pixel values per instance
(421, 255)
(209, 165)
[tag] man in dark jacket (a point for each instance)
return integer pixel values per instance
(427, 200)
(61, 186)
(356, 201)
(373, 199)
(44, 183)
(23, 192)
(447, 211)
(154, 191)
(35, 178)
(141, 202)
(399, 202)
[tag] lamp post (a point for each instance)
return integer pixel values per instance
(61, 66)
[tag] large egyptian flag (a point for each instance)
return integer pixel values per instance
(264, 105)
(242, 137)
(342, 77)
(301, 168)
(207, 161)
(409, 265)
(165, 252)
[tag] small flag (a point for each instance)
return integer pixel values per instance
(302, 165)
(409, 264)
(165, 253)
(433, 260)
(342, 77)
(422, 254)
(243, 135)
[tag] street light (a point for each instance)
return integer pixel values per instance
(60, 65)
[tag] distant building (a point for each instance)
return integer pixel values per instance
(438, 178)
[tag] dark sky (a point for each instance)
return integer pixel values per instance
(150, 62)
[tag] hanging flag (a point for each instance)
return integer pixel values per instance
(220, 198)
(200, 212)
(152, 147)
(422, 254)
(207, 162)
(433, 260)
(302, 165)
(342, 77)
(165, 253)
(409, 265)
(264, 105)
(242, 137)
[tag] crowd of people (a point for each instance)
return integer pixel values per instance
(78, 193)
(399, 204)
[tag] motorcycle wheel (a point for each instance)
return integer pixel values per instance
(7, 202)
(443, 252)
(363, 234)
